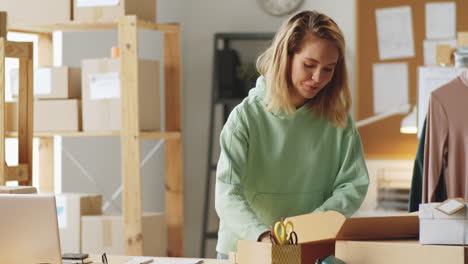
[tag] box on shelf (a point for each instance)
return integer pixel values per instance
(57, 115)
(52, 82)
(398, 251)
(27, 12)
(105, 233)
(18, 189)
(49, 115)
(101, 95)
(70, 208)
(318, 232)
(111, 10)
(437, 227)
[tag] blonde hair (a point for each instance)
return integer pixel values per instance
(334, 100)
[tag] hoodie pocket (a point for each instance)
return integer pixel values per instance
(270, 207)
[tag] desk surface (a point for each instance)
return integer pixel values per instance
(123, 259)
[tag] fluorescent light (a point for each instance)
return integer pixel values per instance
(398, 110)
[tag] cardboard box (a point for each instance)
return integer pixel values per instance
(70, 208)
(318, 232)
(437, 227)
(391, 252)
(105, 10)
(49, 115)
(101, 95)
(57, 115)
(52, 83)
(105, 233)
(18, 189)
(22, 12)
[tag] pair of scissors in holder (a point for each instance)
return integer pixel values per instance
(283, 233)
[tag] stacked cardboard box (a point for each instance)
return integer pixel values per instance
(70, 208)
(105, 233)
(58, 108)
(101, 94)
(29, 12)
(105, 10)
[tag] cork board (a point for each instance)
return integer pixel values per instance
(382, 139)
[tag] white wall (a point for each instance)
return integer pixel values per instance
(200, 20)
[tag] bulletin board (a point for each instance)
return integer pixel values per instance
(382, 139)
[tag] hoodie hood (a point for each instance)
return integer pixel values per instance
(259, 91)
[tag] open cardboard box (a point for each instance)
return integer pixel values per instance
(398, 251)
(318, 232)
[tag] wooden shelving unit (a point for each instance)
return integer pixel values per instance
(127, 27)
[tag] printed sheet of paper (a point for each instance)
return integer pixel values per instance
(431, 78)
(441, 20)
(96, 3)
(430, 49)
(104, 85)
(395, 32)
(390, 82)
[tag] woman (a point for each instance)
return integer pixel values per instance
(290, 147)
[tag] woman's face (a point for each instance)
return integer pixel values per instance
(312, 68)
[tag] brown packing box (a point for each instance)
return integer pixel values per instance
(53, 83)
(49, 115)
(391, 252)
(70, 208)
(99, 10)
(18, 189)
(21, 12)
(105, 233)
(57, 115)
(318, 233)
(101, 95)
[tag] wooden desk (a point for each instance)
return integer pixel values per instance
(123, 259)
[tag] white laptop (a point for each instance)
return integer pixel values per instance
(28, 229)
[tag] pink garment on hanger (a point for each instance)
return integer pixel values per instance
(446, 142)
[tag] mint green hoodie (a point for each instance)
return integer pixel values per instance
(274, 166)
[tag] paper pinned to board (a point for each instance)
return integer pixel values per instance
(96, 3)
(431, 78)
(104, 85)
(390, 86)
(395, 32)
(440, 20)
(430, 49)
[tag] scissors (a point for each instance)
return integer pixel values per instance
(283, 233)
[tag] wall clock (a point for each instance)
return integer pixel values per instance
(280, 7)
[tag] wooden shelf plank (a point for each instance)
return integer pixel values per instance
(89, 26)
(143, 134)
